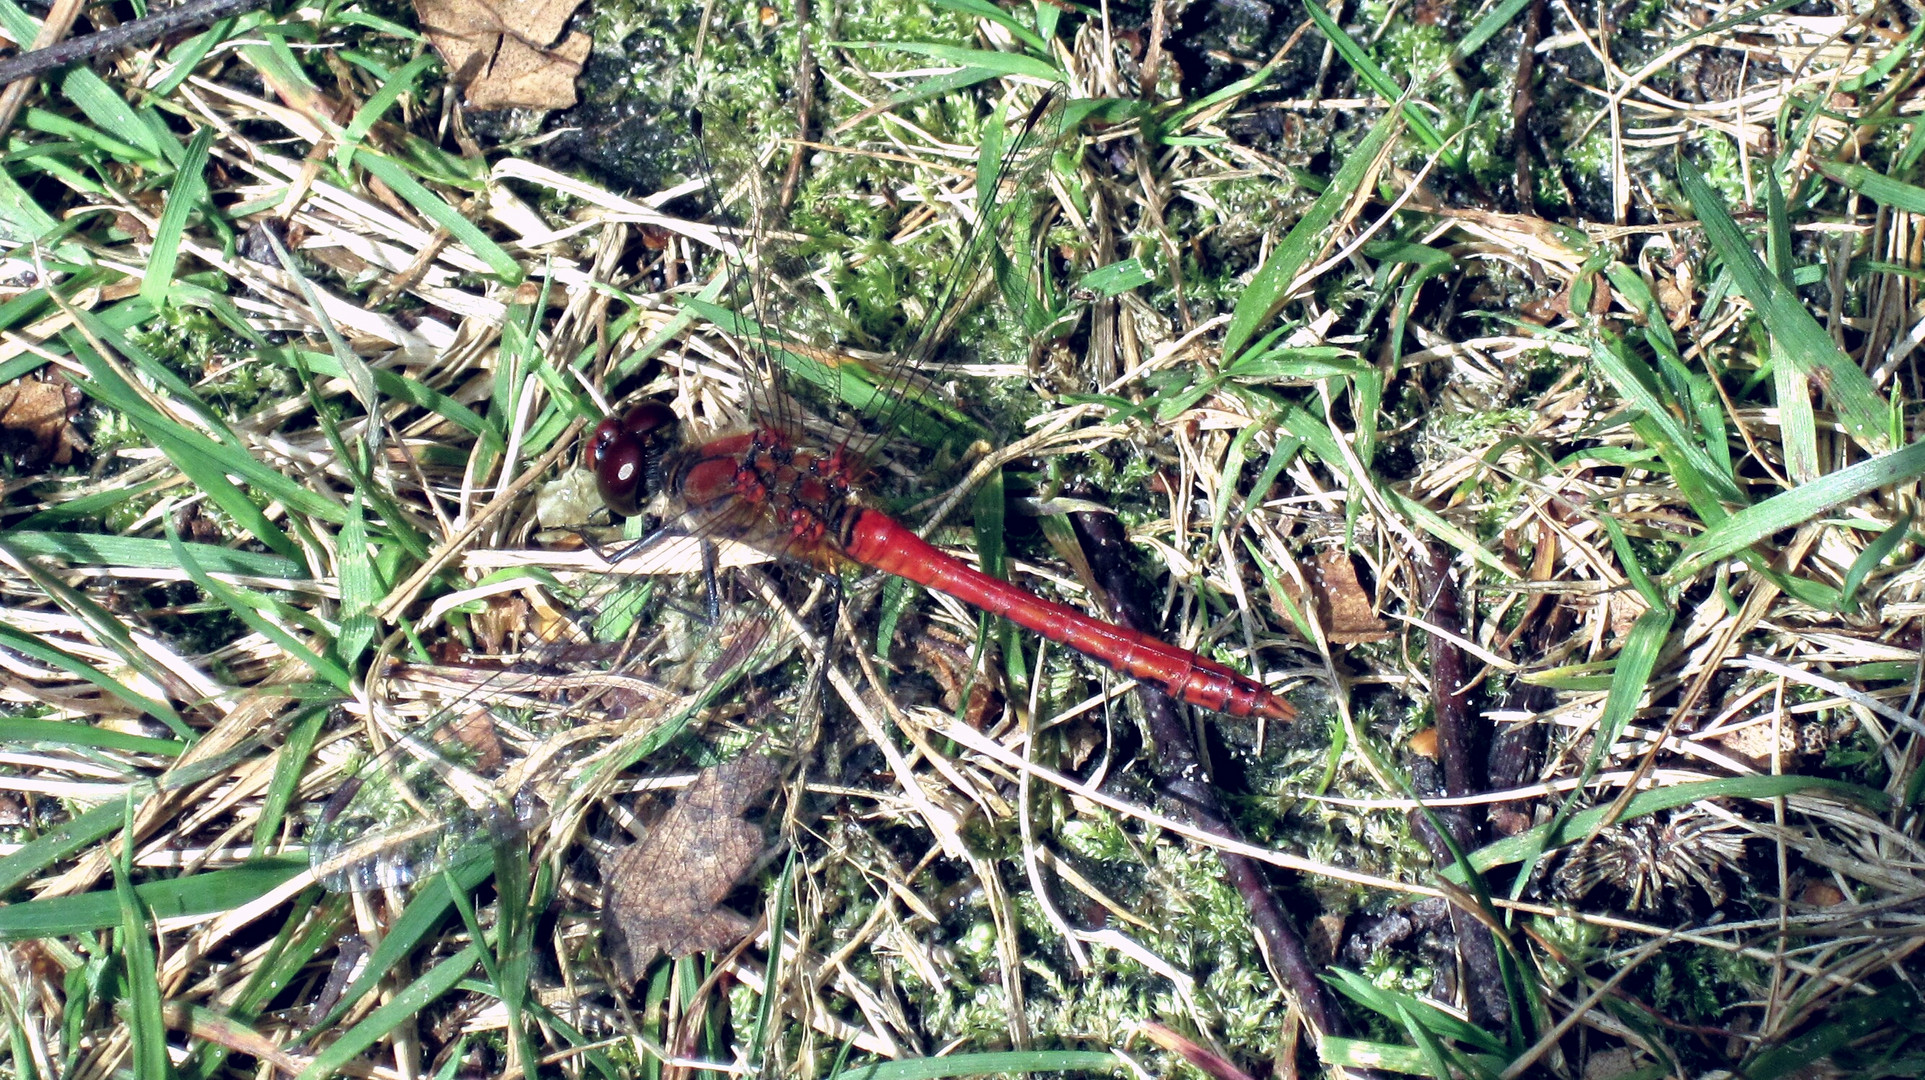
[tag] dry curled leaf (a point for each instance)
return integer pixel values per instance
(1348, 618)
(36, 420)
(505, 53)
(664, 892)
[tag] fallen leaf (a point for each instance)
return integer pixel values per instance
(1348, 618)
(505, 53)
(665, 891)
(36, 420)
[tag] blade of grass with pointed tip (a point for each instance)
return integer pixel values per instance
(1637, 659)
(418, 923)
(1653, 597)
(93, 549)
(378, 103)
(36, 646)
(1377, 79)
(1386, 1002)
(205, 463)
(248, 606)
(21, 731)
(1011, 1061)
(1791, 508)
(392, 386)
(108, 630)
(195, 894)
(1001, 63)
(1863, 411)
(1544, 837)
(1488, 27)
(361, 587)
(1703, 482)
(435, 209)
(1264, 296)
(110, 112)
(982, 9)
(1876, 186)
(1868, 560)
(290, 762)
(187, 194)
(31, 859)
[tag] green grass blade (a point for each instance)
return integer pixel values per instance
(110, 112)
(1000, 64)
(146, 1029)
(1876, 186)
(85, 549)
(29, 732)
(1307, 239)
(1636, 661)
(419, 921)
(1794, 507)
(32, 858)
(1863, 411)
(431, 206)
(982, 9)
(195, 894)
(33, 645)
(377, 1025)
(1868, 560)
(1488, 27)
(248, 606)
(1377, 79)
(188, 194)
(1015, 1061)
(290, 762)
(1703, 481)
(1621, 545)
(1545, 837)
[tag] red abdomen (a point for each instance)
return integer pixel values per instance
(880, 541)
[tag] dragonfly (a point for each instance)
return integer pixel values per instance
(773, 483)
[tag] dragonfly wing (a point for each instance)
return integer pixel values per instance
(414, 810)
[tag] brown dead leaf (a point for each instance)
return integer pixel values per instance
(664, 892)
(504, 52)
(1343, 605)
(949, 662)
(500, 621)
(36, 420)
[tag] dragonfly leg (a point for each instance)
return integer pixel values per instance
(628, 549)
(710, 588)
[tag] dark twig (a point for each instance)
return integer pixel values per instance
(1185, 782)
(1456, 739)
(138, 32)
(1521, 101)
(805, 75)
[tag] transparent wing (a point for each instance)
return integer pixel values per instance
(796, 355)
(500, 750)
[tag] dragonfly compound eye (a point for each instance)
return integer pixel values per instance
(626, 455)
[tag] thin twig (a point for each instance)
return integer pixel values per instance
(1185, 782)
(138, 32)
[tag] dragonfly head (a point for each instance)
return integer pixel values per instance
(626, 455)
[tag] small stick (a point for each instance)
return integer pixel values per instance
(1456, 739)
(33, 62)
(1183, 781)
(805, 75)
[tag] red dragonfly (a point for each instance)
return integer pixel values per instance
(771, 486)
(775, 489)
